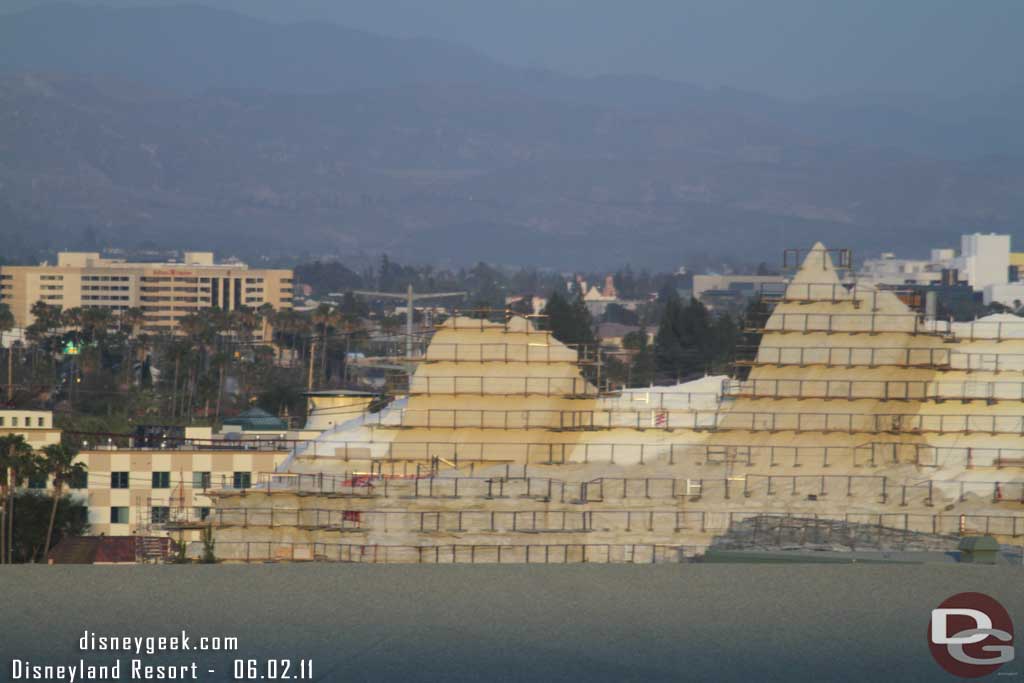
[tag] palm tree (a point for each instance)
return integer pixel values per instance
(266, 315)
(6, 325)
(242, 321)
(325, 316)
(59, 464)
(71, 318)
(16, 462)
(131, 320)
(46, 319)
(96, 323)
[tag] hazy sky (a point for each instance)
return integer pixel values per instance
(794, 48)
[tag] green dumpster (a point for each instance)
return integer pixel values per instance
(979, 550)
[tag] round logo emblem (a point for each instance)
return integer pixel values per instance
(971, 635)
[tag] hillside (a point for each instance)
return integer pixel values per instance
(352, 144)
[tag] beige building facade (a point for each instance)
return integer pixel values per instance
(35, 426)
(139, 491)
(165, 292)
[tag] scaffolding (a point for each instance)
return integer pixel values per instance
(852, 446)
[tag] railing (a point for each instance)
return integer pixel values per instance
(604, 489)
(809, 292)
(490, 319)
(585, 420)
(655, 399)
(542, 453)
(425, 484)
(852, 356)
(480, 385)
(826, 292)
(814, 486)
(500, 553)
(884, 390)
(982, 329)
(562, 420)
(908, 323)
(977, 361)
(408, 453)
(849, 356)
(849, 323)
(894, 423)
(483, 352)
(666, 522)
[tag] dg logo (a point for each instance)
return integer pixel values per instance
(971, 635)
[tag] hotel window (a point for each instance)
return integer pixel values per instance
(242, 480)
(39, 422)
(200, 480)
(37, 482)
(159, 514)
(161, 480)
(118, 515)
(14, 421)
(118, 480)
(202, 514)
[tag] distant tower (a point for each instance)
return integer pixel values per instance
(609, 287)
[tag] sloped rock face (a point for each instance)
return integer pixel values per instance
(858, 418)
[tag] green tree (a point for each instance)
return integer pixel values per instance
(17, 462)
(6, 325)
(641, 372)
(685, 341)
(208, 546)
(569, 320)
(616, 313)
(59, 464)
(46, 319)
(34, 510)
(6, 320)
(325, 317)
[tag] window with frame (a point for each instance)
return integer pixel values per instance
(202, 513)
(241, 480)
(119, 515)
(200, 480)
(159, 514)
(118, 480)
(37, 482)
(161, 480)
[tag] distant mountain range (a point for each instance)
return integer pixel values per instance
(188, 126)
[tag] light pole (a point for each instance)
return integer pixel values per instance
(410, 297)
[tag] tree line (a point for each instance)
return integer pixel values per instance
(26, 535)
(689, 341)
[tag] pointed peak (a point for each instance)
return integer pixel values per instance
(817, 267)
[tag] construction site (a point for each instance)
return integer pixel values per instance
(859, 423)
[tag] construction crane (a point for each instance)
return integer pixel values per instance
(410, 298)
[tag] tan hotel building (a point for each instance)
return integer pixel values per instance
(164, 291)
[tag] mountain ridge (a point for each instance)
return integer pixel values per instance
(470, 161)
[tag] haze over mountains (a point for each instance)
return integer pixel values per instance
(192, 127)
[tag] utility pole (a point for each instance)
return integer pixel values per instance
(410, 298)
(312, 355)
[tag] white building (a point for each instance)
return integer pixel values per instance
(889, 270)
(985, 260)
(983, 263)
